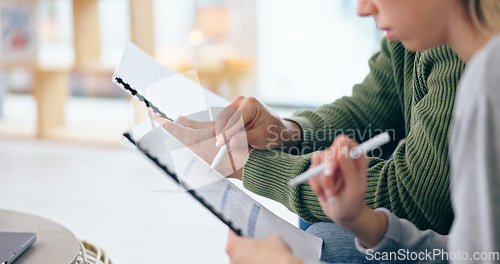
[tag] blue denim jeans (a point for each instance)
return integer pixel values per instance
(303, 225)
(338, 244)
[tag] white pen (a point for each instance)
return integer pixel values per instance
(220, 154)
(222, 151)
(356, 152)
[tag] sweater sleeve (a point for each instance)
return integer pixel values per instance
(375, 106)
(403, 242)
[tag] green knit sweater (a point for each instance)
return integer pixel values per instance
(409, 93)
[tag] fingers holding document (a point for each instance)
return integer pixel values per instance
(186, 130)
(199, 137)
(244, 250)
(263, 127)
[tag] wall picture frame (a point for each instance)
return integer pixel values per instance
(18, 32)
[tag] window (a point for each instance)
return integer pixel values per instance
(311, 52)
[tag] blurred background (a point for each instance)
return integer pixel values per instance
(60, 112)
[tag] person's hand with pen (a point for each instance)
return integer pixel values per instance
(341, 191)
(264, 128)
(199, 137)
(243, 125)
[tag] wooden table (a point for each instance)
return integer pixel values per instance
(54, 243)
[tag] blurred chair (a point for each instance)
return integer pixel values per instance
(91, 254)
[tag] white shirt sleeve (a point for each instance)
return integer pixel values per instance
(403, 242)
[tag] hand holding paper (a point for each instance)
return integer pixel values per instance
(263, 128)
(259, 251)
(199, 137)
(183, 150)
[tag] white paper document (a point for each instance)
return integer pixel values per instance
(175, 95)
(166, 91)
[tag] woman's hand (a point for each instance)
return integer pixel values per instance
(342, 185)
(272, 250)
(264, 129)
(199, 137)
(341, 190)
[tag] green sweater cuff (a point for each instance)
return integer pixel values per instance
(307, 128)
(271, 181)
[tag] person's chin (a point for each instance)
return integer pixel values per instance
(418, 46)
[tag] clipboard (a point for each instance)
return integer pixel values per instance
(236, 209)
(192, 192)
(133, 92)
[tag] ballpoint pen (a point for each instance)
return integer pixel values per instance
(222, 151)
(363, 148)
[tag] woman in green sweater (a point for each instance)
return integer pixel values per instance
(409, 93)
(471, 27)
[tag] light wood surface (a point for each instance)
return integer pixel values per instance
(51, 92)
(54, 243)
(51, 86)
(142, 25)
(87, 39)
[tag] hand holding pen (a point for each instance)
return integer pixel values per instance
(354, 153)
(246, 122)
(341, 183)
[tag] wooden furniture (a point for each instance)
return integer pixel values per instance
(54, 243)
(51, 91)
(232, 73)
(51, 85)
(87, 39)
